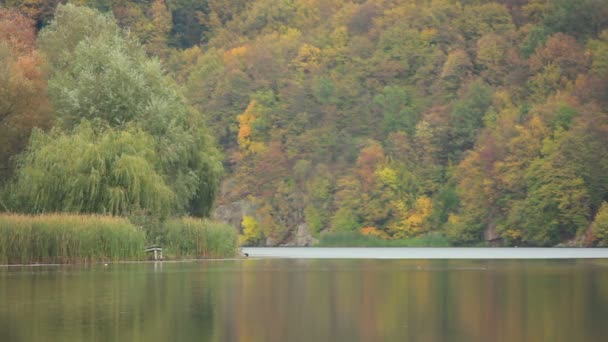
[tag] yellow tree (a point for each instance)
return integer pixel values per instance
(416, 220)
(246, 137)
(252, 232)
(600, 225)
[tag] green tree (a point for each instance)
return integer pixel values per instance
(467, 118)
(579, 18)
(476, 21)
(399, 108)
(556, 206)
(98, 73)
(492, 55)
(91, 171)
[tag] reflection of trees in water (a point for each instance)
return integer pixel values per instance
(310, 300)
(8, 330)
(121, 302)
(413, 300)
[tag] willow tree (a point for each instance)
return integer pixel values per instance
(91, 170)
(99, 74)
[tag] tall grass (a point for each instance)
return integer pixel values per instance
(354, 239)
(196, 238)
(65, 238)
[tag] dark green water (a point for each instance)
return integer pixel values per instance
(308, 300)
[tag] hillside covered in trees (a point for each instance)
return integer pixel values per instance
(472, 121)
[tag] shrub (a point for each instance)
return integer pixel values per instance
(355, 239)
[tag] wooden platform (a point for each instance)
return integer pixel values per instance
(158, 252)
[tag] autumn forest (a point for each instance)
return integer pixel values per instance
(300, 122)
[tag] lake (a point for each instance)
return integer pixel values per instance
(300, 298)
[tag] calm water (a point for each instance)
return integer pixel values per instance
(308, 300)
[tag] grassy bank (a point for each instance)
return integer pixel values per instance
(196, 238)
(354, 239)
(64, 238)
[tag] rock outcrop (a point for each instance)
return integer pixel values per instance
(302, 237)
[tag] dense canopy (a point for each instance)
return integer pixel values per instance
(479, 121)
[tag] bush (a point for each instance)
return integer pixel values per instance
(354, 239)
(196, 238)
(63, 238)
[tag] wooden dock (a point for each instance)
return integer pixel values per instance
(158, 252)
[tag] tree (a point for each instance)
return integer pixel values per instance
(482, 19)
(162, 23)
(556, 207)
(319, 192)
(252, 232)
(370, 156)
(492, 55)
(188, 28)
(399, 109)
(415, 221)
(467, 117)
(456, 69)
(580, 18)
(41, 11)
(98, 73)
(91, 170)
(561, 51)
(23, 90)
(345, 220)
(600, 225)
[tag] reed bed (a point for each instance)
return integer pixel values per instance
(66, 238)
(196, 238)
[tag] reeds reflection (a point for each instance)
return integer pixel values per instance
(308, 300)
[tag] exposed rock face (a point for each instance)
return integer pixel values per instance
(298, 235)
(491, 236)
(233, 212)
(302, 237)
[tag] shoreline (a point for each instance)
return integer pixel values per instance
(108, 263)
(387, 253)
(471, 253)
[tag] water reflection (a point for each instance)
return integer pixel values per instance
(308, 300)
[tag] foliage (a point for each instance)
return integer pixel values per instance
(197, 238)
(91, 171)
(62, 238)
(252, 232)
(416, 219)
(23, 100)
(99, 73)
(600, 225)
(354, 239)
(480, 121)
(345, 220)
